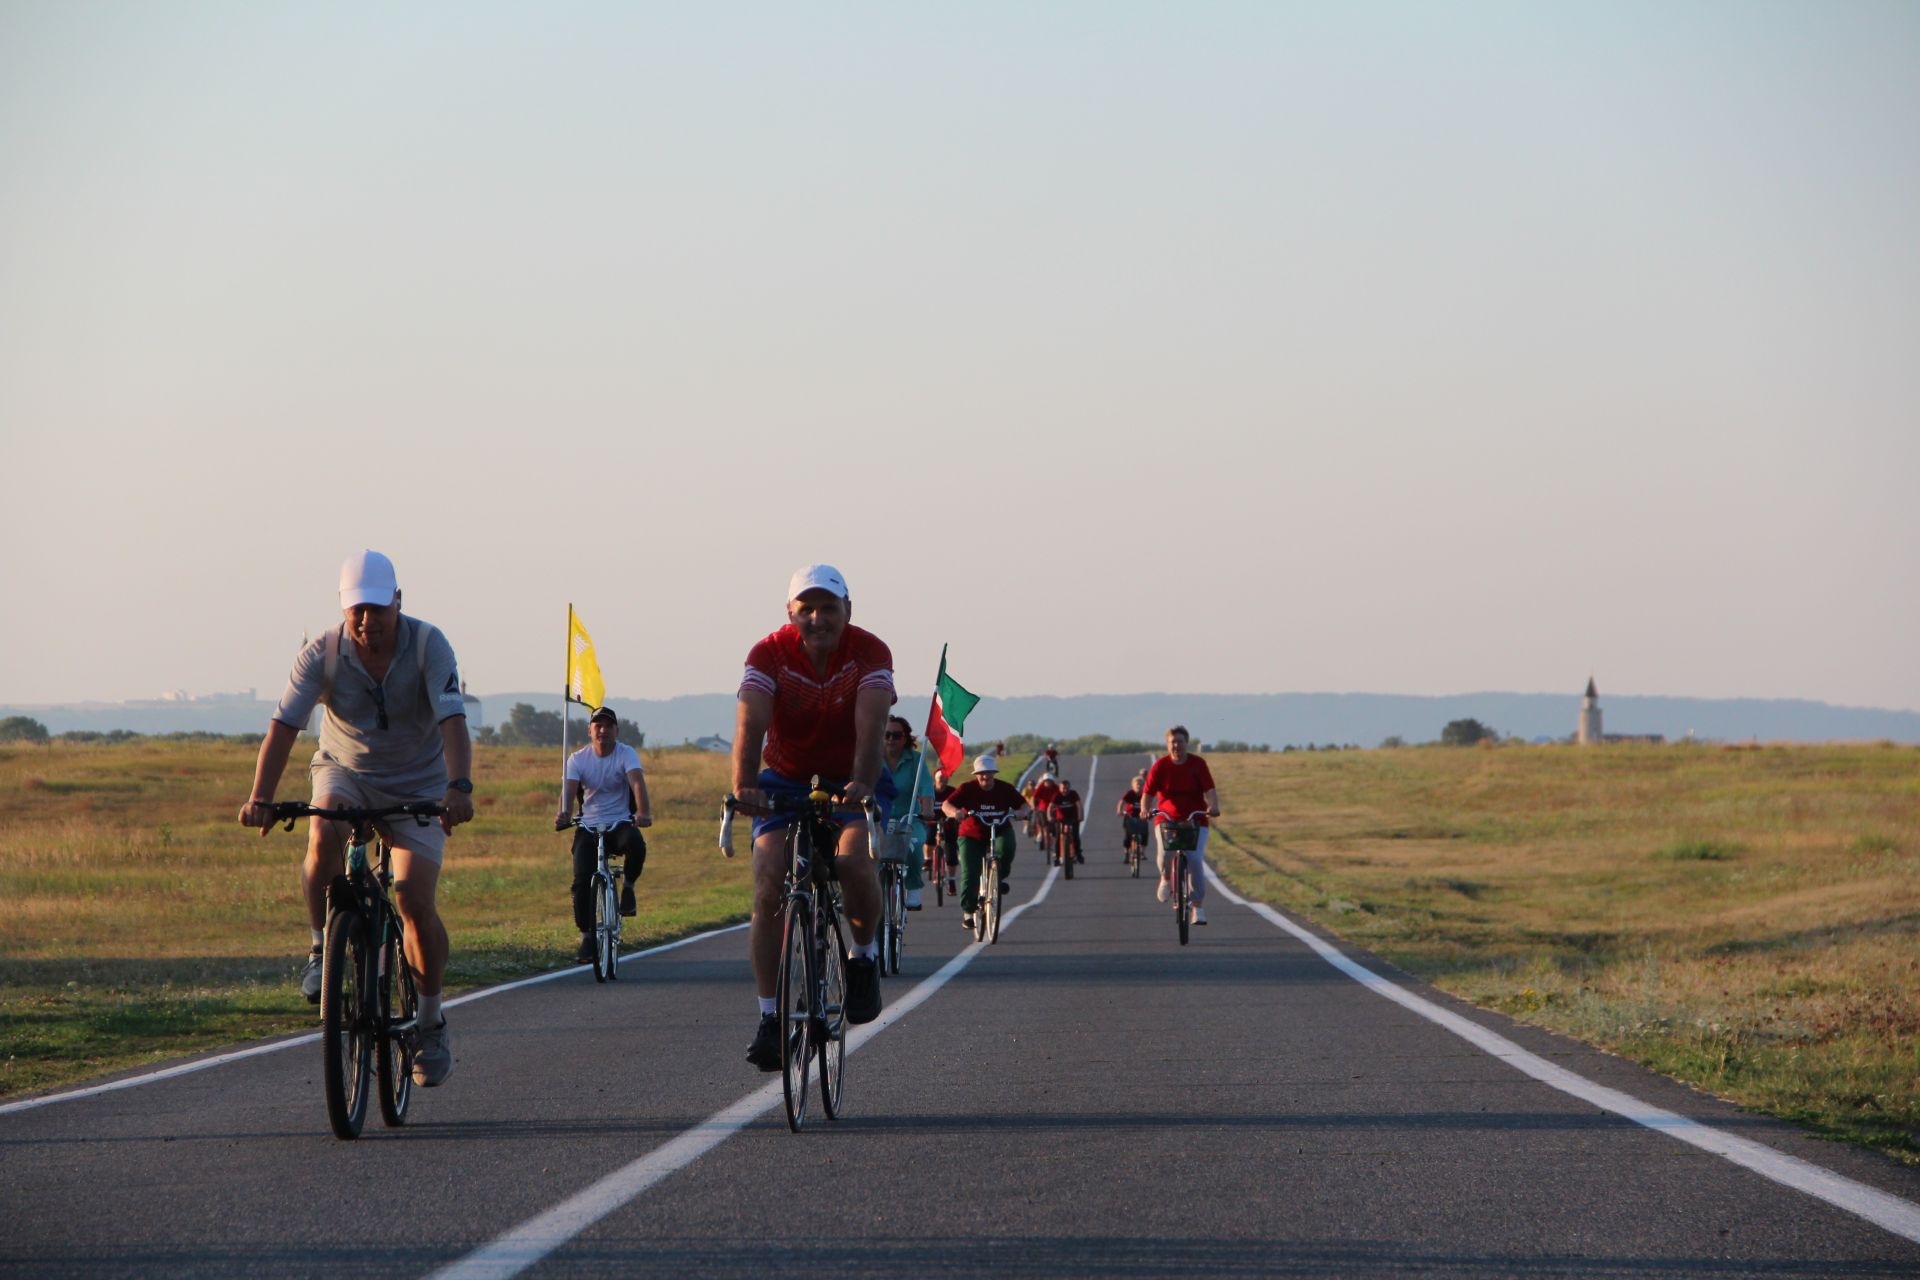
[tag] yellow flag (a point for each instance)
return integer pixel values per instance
(583, 669)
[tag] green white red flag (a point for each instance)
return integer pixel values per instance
(948, 718)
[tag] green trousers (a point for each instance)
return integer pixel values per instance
(973, 853)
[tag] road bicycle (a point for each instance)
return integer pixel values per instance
(812, 984)
(1177, 840)
(368, 1001)
(605, 890)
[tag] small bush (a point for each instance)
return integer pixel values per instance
(1873, 843)
(1698, 851)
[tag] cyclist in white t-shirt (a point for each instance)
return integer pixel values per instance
(609, 772)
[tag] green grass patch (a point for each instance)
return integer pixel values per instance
(1698, 851)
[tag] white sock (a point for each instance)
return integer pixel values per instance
(430, 1015)
(769, 1005)
(866, 950)
(319, 938)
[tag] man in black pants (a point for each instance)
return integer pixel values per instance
(614, 783)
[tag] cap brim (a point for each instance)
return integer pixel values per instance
(365, 595)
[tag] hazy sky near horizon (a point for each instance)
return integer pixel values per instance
(1388, 347)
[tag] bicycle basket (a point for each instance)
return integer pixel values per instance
(1176, 837)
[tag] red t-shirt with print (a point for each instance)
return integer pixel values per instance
(813, 727)
(998, 798)
(1182, 788)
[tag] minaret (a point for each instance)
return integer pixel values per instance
(1588, 733)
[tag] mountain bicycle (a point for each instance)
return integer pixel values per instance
(366, 1029)
(1177, 840)
(812, 984)
(1066, 845)
(936, 861)
(605, 888)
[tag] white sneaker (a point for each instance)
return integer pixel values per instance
(1165, 890)
(1199, 916)
(913, 899)
(433, 1063)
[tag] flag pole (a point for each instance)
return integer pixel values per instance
(566, 686)
(913, 799)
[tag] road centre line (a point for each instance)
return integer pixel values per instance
(544, 1233)
(254, 1051)
(1883, 1209)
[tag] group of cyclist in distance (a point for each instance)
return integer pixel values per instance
(815, 701)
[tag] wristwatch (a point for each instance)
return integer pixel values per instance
(463, 785)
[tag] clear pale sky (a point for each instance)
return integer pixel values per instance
(1229, 347)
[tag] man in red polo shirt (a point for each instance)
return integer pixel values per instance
(1178, 786)
(816, 693)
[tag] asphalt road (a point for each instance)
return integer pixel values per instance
(1084, 1098)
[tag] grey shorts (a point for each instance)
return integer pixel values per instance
(348, 790)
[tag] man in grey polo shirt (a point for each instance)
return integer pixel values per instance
(395, 731)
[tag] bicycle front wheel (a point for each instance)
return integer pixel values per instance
(992, 916)
(829, 1030)
(796, 1008)
(399, 1003)
(1180, 893)
(896, 934)
(597, 887)
(346, 1005)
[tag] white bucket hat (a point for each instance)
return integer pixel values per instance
(986, 764)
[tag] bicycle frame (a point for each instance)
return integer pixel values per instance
(606, 952)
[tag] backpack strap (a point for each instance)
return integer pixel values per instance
(330, 665)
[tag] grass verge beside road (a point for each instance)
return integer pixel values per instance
(1746, 920)
(139, 921)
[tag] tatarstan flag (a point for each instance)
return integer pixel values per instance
(948, 718)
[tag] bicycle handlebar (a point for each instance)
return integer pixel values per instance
(868, 809)
(421, 811)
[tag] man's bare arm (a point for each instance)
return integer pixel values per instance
(870, 708)
(457, 807)
(642, 803)
(272, 762)
(749, 735)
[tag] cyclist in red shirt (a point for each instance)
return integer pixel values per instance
(816, 693)
(1066, 817)
(1043, 793)
(985, 794)
(1178, 785)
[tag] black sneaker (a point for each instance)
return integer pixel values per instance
(585, 954)
(863, 990)
(310, 977)
(1005, 885)
(628, 906)
(764, 1052)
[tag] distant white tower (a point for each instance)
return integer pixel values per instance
(1588, 733)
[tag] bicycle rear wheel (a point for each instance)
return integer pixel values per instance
(829, 1030)
(1180, 893)
(1066, 852)
(602, 925)
(346, 1004)
(399, 1002)
(796, 1007)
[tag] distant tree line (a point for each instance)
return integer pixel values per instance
(27, 729)
(526, 727)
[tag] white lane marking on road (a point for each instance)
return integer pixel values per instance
(202, 1064)
(1902, 1217)
(1086, 805)
(544, 1233)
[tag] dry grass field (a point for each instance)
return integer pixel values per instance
(138, 920)
(1744, 919)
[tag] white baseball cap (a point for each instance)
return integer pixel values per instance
(367, 578)
(817, 577)
(986, 764)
